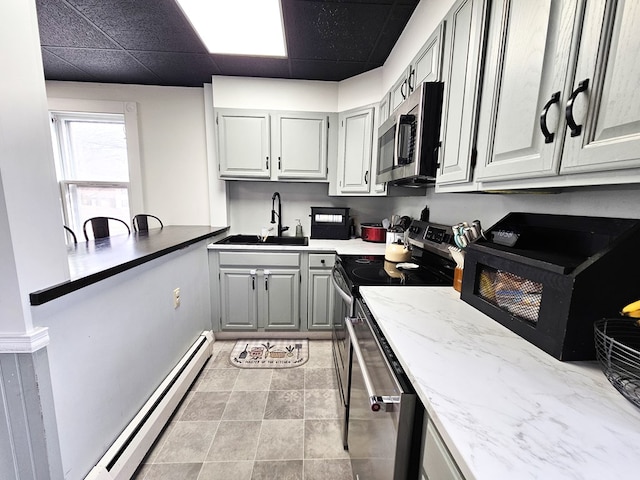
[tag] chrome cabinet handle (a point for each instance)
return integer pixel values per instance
(571, 122)
(548, 136)
(378, 403)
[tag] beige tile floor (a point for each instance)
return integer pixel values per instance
(254, 424)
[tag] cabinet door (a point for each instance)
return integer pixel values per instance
(243, 144)
(321, 299)
(281, 308)
(425, 67)
(300, 144)
(384, 109)
(238, 296)
(399, 91)
(354, 156)
(609, 109)
(437, 462)
(527, 72)
(462, 59)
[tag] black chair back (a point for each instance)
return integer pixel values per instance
(141, 222)
(73, 235)
(100, 226)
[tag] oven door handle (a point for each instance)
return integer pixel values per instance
(378, 403)
(345, 296)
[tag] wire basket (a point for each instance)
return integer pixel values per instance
(618, 351)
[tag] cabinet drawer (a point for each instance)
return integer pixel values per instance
(321, 260)
(262, 259)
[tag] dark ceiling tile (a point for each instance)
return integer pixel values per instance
(107, 65)
(326, 70)
(152, 25)
(389, 35)
(151, 42)
(61, 26)
(333, 31)
(58, 69)
(252, 66)
(180, 69)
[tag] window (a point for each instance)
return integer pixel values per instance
(95, 169)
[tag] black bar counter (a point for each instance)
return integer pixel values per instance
(95, 260)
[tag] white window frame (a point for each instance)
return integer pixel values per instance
(129, 110)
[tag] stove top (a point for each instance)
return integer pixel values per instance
(374, 270)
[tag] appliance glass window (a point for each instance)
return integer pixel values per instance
(406, 139)
(386, 150)
(513, 293)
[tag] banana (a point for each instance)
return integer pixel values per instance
(632, 314)
(631, 307)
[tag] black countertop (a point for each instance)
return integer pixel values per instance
(93, 261)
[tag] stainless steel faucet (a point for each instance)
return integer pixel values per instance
(278, 213)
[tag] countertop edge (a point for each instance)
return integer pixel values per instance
(48, 294)
(505, 408)
(354, 246)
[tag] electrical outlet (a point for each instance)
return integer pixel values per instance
(176, 298)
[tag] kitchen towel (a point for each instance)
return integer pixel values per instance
(271, 353)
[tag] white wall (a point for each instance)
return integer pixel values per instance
(113, 342)
(275, 94)
(31, 220)
(251, 205)
(172, 141)
(363, 89)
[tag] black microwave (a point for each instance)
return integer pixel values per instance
(409, 139)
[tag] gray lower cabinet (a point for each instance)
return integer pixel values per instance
(321, 293)
(259, 290)
(437, 462)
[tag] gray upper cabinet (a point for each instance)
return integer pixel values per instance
(244, 144)
(300, 141)
(384, 109)
(464, 27)
(355, 141)
(609, 109)
(561, 104)
(273, 145)
(528, 55)
(425, 67)
(399, 91)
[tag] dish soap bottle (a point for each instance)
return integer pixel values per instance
(298, 228)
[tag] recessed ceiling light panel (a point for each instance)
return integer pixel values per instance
(238, 27)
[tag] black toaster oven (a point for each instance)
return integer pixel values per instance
(330, 223)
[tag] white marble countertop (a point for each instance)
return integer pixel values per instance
(506, 409)
(354, 246)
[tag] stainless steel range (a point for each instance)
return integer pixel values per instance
(380, 407)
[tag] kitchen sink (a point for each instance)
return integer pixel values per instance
(256, 240)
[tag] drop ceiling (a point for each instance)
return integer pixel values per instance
(150, 42)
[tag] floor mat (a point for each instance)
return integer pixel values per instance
(272, 353)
